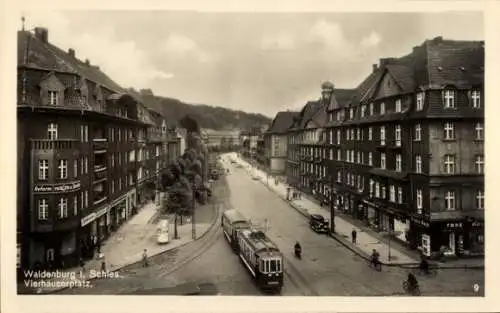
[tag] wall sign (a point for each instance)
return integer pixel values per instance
(88, 219)
(101, 212)
(57, 188)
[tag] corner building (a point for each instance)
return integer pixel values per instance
(77, 141)
(408, 148)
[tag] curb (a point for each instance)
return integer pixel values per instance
(363, 254)
(213, 222)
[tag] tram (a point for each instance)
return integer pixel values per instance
(262, 258)
(231, 222)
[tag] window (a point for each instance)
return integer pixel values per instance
(479, 164)
(420, 201)
(358, 134)
(399, 162)
(370, 158)
(75, 205)
(449, 200)
(449, 99)
(331, 137)
(479, 131)
(397, 106)
(119, 134)
(86, 163)
(62, 211)
(86, 198)
(363, 110)
(397, 135)
(400, 195)
(63, 169)
(449, 131)
(81, 200)
(418, 132)
(52, 131)
(382, 135)
(358, 157)
(449, 164)
(370, 133)
(43, 169)
(476, 99)
(371, 108)
(112, 186)
(120, 183)
(43, 209)
(377, 190)
(372, 187)
(75, 168)
(383, 194)
(351, 113)
(53, 98)
(86, 133)
(392, 193)
(113, 159)
(420, 101)
(479, 200)
(382, 108)
(348, 134)
(339, 177)
(382, 161)
(339, 154)
(418, 164)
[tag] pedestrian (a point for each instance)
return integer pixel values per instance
(82, 265)
(353, 234)
(145, 258)
(103, 266)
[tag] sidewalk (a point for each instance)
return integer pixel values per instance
(366, 240)
(126, 245)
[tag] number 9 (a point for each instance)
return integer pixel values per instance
(476, 287)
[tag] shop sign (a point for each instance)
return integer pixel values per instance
(420, 222)
(454, 225)
(87, 219)
(477, 224)
(101, 212)
(118, 200)
(57, 188)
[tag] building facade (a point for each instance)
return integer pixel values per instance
(79, 138)
(275, 141)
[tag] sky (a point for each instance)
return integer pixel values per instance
(255, 62)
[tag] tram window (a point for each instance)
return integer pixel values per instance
(262, 265)
(274, 266)
(267, 266)
(278, 265)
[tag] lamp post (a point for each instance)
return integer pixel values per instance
(332, 206)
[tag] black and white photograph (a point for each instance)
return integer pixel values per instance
(274, 154)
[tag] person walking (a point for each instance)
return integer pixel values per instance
(353, 235)
(145, 258)
(103, 266)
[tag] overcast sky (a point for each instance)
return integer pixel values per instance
(256, 62)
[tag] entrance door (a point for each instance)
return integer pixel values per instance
(451, 243)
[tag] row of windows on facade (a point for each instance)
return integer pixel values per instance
(448, 97)
(101, 106)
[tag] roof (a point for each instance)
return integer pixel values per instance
(34, 53)
(306, 114)
(282, 122)
(258, 240)
(234, 216)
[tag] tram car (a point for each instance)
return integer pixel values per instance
(231, 222)
(262, 258)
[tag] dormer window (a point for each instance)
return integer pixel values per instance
(420, 101)
(53, 97)
(363, 110)
(52, 131)
(382, 108)
(476, 99)
(449, 99)
(371, 108)
(397, 107)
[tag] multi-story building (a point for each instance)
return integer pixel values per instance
(78, 137)
(408, 151)
(276, 142)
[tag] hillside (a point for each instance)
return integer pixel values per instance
(209, 117)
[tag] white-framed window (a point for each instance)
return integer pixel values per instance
(348, 134)
(383, 193)
(399, 163)
(370, 133)
(449, 99)
(479, 131)
(397, 106)
(363, 110)
(358, 159)
(372, 187)
(52, 131)
(449, 200)
(371, 108)
(420, 201)
(63, 169)
(382, 161)
(377, 190)
(331, 158)
(358, 134)
(479, 164)
(418, 164)
(86, 133)
(120, 183)
(476, 99)
(43, 169)
(119, 134)
(382, 135)
(75, 205)
(112, 186)
(43, 209)
(449, 131)
(418, 132)
(397, 135)
(331, 137)
(86, 163)
(351, 113)
(400, 195)
(420, 101)
(479, 200)
(339, 177)
(62, 208)
(75, 168)
(53, 99)
(86, 198)
(370, 158)
(449, 164)
(81, 201)
(382, 108)
(113, 159)
(339, 154)
(392, 193)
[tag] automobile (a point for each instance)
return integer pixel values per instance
(318, 223)
(255, 177)
(162, 232)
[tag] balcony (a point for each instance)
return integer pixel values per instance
(100, 145)
(59, 144)
(100, 173)
(100, 198)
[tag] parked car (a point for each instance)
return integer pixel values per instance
(318, 223)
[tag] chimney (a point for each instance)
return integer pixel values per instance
(375, 67)
(42, 33)
(87, 62)
(385, 61)
(71, 52)
(438, 39)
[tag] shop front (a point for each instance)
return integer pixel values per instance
(419, 235)
(88, 231)
(117, 212)
(102, 223)
(458, 238)
(372, 214)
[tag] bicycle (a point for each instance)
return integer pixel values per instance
(415, 291)
(375, 264)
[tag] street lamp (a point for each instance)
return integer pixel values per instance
(332, 207)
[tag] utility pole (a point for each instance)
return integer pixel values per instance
(332, 206)
(193, 224)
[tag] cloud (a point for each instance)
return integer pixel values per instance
(278, 42)
(181, 46)
(122, 60)
(371, 40)
(329, 38)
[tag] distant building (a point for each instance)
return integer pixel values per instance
(276, 142)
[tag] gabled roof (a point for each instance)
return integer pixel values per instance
(306, 114)
(282, 122)
(34, 53)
